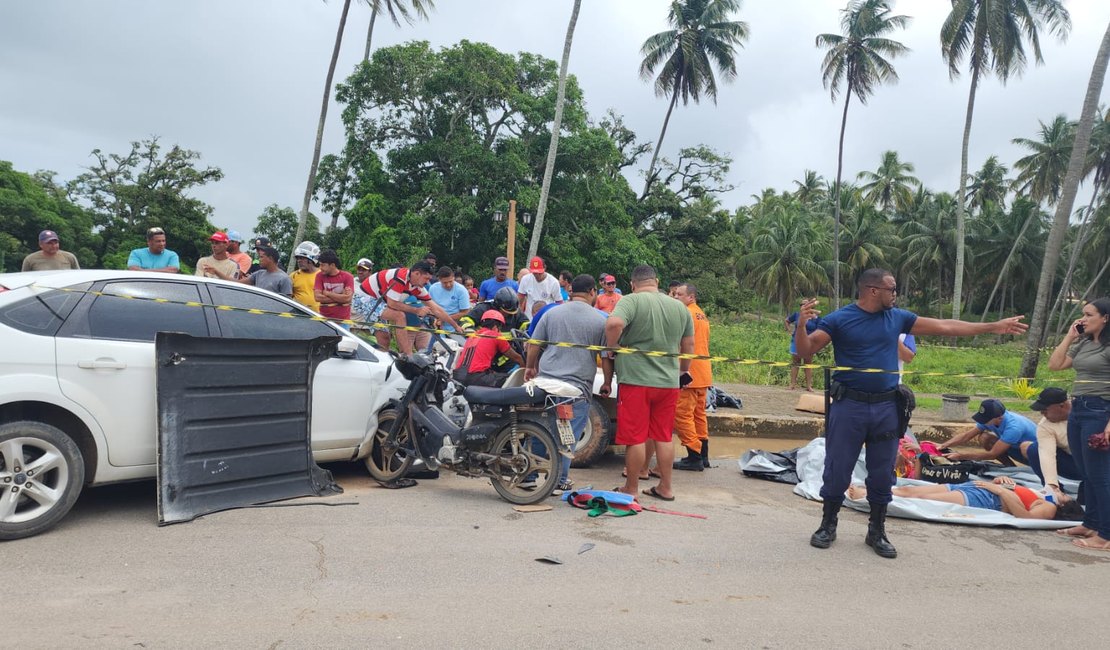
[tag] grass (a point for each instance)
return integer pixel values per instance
(766, 340)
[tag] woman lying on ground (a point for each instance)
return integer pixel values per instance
(1002, 495)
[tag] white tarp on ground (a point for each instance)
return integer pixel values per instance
(811, 464)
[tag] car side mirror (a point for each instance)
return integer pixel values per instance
(347, 348)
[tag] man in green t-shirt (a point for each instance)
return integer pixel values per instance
(648, 320)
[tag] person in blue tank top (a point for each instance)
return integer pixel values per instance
(863, 409)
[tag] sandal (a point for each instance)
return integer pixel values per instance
(652, 492)
(651, 475)
(398, 483)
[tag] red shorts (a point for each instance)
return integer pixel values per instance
(644, 412)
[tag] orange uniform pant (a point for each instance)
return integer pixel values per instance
(689, 418)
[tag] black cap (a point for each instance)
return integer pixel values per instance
(988, 410)
(1048, 397)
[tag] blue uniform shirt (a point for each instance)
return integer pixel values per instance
(863, 339)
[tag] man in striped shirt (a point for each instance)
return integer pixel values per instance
(392, 286)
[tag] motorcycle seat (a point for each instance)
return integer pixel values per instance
(504, 396)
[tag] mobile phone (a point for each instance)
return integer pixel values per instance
(1081, 328)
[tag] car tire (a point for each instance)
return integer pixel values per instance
(41, 475)
(596, 437)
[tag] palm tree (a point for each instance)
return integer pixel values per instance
(319, 134)
(857, 59)
(989, 185)
(928, 242)
(552, 149)
(811, 189)
(702, 36)
(787, 249)
(398, 11)
(1022, 246)
(891, 185)
(1055, 243)
(990, 34)
(1041, 173)
(1098, 163)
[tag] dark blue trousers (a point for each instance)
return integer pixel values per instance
(1089, 415)
(1065, 464)
(853, 424)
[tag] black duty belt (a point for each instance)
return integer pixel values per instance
(840, 391)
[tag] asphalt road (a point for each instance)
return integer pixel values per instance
(448, 564)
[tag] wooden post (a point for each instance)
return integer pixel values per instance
(512, 240)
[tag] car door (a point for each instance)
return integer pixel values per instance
(341, 389)
(105, 358)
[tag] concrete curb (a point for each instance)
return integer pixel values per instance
(733, 423)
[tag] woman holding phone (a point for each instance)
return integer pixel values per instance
(1086, 348)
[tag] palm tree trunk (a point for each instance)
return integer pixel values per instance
(1006, 264)
(659, 144)
(836, 203)
(370, 31)
(1063, 209)
(1077, 250)
(553, 148)
(303, 217)
(958, 284)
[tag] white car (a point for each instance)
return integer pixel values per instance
(77, 379)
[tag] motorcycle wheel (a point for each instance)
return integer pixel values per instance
(529, 452)
(382, 467)
(596, 437)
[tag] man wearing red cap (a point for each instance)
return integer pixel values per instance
(50, 256)
(538, 288)
(219, 264)
(607, 299)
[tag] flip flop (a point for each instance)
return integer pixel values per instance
(651, 475)
(652, 492)
(1083, 543)
(1063, 532)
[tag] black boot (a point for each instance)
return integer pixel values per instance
(876, 533)
(826, 534)
(705, 452)
(692, 462)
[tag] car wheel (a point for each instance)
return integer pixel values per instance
(595, 437)
(41, 475)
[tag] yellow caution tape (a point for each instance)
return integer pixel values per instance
(358, 324)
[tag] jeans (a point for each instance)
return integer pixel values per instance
(1090, 415)
(578, 425)
(1065, 465)
(851, 424)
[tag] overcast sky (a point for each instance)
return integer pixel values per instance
(241, 82)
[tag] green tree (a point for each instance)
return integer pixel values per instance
(556, 127)
(280, 225)
(811, 189)
(891, 186)
(991, 35)
(128, 193)
(30, 204)
(788, 246)
(928, 243)
(1074, 174)
(1041, 173)
(989, 185)
(701, 36)
(857, 60)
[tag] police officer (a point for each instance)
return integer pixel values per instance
(864, 334)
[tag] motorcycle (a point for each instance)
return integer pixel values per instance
(508, 440)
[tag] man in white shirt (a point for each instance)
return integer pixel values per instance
(538, 288)
(1053, 457)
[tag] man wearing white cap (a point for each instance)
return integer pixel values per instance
(234, 241)
(50, 256)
